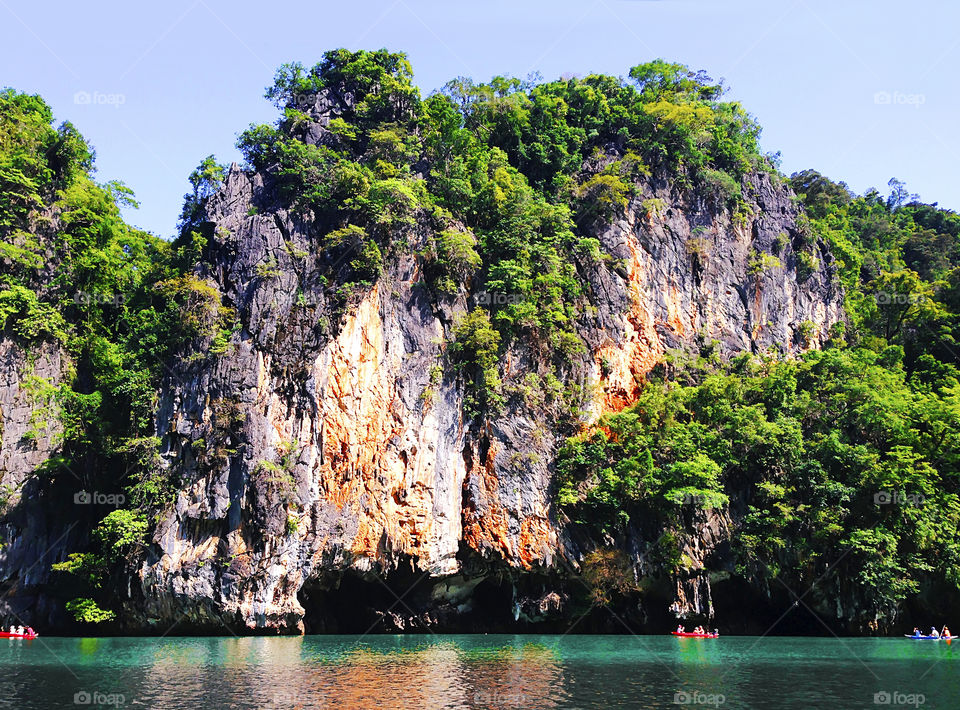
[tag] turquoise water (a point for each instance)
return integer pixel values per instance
(478, 672)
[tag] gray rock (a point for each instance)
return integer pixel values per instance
(317, 445)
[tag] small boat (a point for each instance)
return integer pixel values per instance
(930, 638)
(692, 635)
(8, 635)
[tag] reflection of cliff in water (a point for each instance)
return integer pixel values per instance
(429, 675)
(382, 671)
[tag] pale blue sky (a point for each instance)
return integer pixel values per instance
(172, 82)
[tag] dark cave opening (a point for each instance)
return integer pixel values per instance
(404, 599)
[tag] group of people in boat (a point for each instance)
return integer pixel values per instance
(19, 630)
(934, 633)
(698, 630)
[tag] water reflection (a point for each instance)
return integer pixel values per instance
(427, 672)
(323, 672)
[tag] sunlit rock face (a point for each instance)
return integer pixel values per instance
(328, 442)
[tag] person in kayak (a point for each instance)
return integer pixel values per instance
(946, 632)
(934, 633)
(916, 631)
(681, 629)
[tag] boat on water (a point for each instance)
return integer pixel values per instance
(693, 635)
(929, 638)
(8, 635)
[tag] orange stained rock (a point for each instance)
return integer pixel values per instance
(489, 527)
(536, 539)
(674, 311)
(360, 416)
(624, 365)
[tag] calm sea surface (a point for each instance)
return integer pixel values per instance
(478, 672)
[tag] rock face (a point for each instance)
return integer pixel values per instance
(28, 418)
(325, 458)
(33, 535)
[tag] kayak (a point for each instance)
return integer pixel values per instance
(930, 638)
(8, 635)
(691, 635)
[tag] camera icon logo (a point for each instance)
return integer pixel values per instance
(82, 698)
(882, 698)
(82, 498)
(882, 98)
(681, 698)
(882, 498)
(82, 97)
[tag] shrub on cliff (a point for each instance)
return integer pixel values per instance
(115, 536)
(475, 349)
(452, 258)
(370, 88)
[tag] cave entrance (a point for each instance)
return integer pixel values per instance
(404, 600)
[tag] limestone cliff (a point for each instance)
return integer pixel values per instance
(329, 460)
(327, 447)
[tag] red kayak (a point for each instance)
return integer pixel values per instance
(8, 635)
(691, 635)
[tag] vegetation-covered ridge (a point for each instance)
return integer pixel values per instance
(117, 302)
(840, 466)
(511, 177)
(510, 180)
